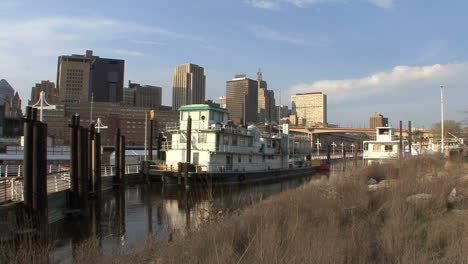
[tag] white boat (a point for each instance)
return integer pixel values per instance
(222, 152)
(385, 147)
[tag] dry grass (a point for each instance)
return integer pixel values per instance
(342, 222)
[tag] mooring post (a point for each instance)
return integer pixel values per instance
(28, 158)
(410, 139)
(90, 157)
(122, 160)
(150, 155)
(83, 167)
(97, 162)
(400, 145)
(39, 167)
(117, 159)
(74, 127)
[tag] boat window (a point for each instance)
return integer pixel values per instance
(250, 142)
(376, 148)
(388, 148)
(241, 140)
(182, 139)
(201, 138)
(250, 158)
(234, 140)
(226, 140)
(384, 131)
(239, 159)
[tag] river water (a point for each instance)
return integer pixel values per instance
(122, 219)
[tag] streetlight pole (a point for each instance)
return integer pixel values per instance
(318, 147)
(442, 118)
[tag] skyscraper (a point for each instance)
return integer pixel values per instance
(51, 93)
(143, 95)
(106, 80)
(377, 120)
(311, 106)
(73, 77)
(188, 85)
(80, 77)
(266, 101)
(242, 99)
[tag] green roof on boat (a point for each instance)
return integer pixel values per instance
(201, 107)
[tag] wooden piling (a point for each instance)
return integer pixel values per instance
(122, 160)
(97, 162)
(74, 127)
(83, 168)
(39, 167)
(28, 158)
(117, 159)
(91, 130)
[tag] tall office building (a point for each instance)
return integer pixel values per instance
(73, 77)
(377, 120)
(282, 111)
(51, 93)
(242, 99)
(11, 123)
(106, 80)
(266, 101)
(311, 106)
(188, 85)
(80, 77)
(142, 95)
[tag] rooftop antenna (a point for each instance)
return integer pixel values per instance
(42, 104)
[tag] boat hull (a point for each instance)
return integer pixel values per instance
(222, 178)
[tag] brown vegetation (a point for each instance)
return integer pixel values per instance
(406, 220)
(343, 222)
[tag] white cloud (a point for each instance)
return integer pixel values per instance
(265, 4)
(128, 52)
(382, 3)
(399, 79)
(275, 4)
(264, 32)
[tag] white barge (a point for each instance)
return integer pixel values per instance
(214, 150)
(385, 147)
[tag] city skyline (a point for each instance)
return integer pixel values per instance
(367, 56)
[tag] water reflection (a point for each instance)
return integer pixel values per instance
(121, 219)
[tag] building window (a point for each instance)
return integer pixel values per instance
(388, 148)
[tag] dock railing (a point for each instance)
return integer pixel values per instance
(11, 182)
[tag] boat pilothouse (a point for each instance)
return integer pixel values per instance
(385, 147)
(229, 152)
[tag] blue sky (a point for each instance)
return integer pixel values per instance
(387, 56)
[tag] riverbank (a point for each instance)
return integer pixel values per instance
(376, 214)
